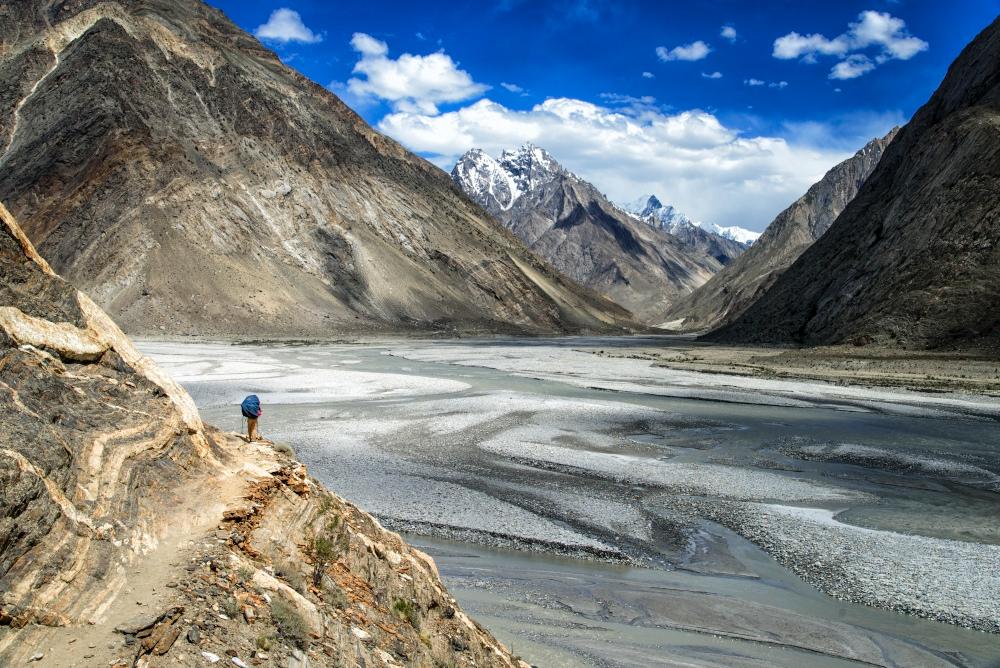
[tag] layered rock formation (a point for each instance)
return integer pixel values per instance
(571, 224)
(175, 170)
(113, 493)
(728, 294)
(914, 259)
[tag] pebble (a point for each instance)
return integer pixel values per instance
(211, 658)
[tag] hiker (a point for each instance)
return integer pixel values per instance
(251, 411)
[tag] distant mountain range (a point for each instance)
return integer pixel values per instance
(650, 209)
(914, 258)
(174, 169)
(729, 293)
(632, 256)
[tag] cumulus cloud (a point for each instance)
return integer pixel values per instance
(693, 51)
(754, 82)
(881, 30)
(712, 75)
(728, 32)
(852, 67)
(627, 146)
(777, 84)
(285, 25)
(648, 75)
(411, 82)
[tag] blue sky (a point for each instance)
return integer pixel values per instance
(727, 109)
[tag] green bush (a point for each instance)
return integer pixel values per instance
(406, 611)
(291, 627)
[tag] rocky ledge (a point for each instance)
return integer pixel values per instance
(134, 535)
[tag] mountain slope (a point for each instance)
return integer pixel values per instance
(113, 493)
(915, 258)
(572, 225)
(178, 172)
(732, 290)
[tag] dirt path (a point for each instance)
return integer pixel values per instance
(147, 591)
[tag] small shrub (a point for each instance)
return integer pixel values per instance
(265, 642)
(231, 608)
(323, 547)
(406, 611)
(284, 449)
(290, 574)
(291, 627)
(245, 574)
(333, 594)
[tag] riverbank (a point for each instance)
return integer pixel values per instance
(554, 448)
(865, 366)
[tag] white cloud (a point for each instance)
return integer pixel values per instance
(712, 75)
(777, 84)
(513, 88)
(852, 67)
(878, 29)
(794, 45)
(754, 82)
(693, 51)
(285, 25)
(648, 75)
(634, 147)
(410, 82)
(728, 32)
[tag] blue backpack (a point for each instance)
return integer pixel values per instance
(251, 406)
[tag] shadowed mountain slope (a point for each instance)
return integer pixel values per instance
(914, 259)
(727, 294)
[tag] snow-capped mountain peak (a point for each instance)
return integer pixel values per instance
(650, 209)
(499, 182)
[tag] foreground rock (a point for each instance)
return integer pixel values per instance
(914, 259)
(134, 535)
(175, 170)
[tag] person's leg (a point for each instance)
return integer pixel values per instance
(252, 429)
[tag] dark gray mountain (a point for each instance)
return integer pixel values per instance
(914, 259)
(728, 294)
(170, 166)
(571, 224)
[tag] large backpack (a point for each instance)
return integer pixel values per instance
(251, 406)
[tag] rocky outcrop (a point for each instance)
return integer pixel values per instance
(115, 500)
(731, 291)
(175, 170)
(571, 224)
(914, 259)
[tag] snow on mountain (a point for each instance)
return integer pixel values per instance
(479, 174)
(651, 210)
(737, 234)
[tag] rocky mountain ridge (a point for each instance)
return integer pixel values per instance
(730, 292)
(570, 223)
(175, 170)
(666, 216)
(135, 535)
(913, 260)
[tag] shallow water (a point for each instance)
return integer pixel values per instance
(478, 447)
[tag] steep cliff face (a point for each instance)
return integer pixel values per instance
(171, 167)
(113, 493)
(571, 224)
(914, 259)
(730, 292)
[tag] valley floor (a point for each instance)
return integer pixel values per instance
(594, 507)
(850, 365)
